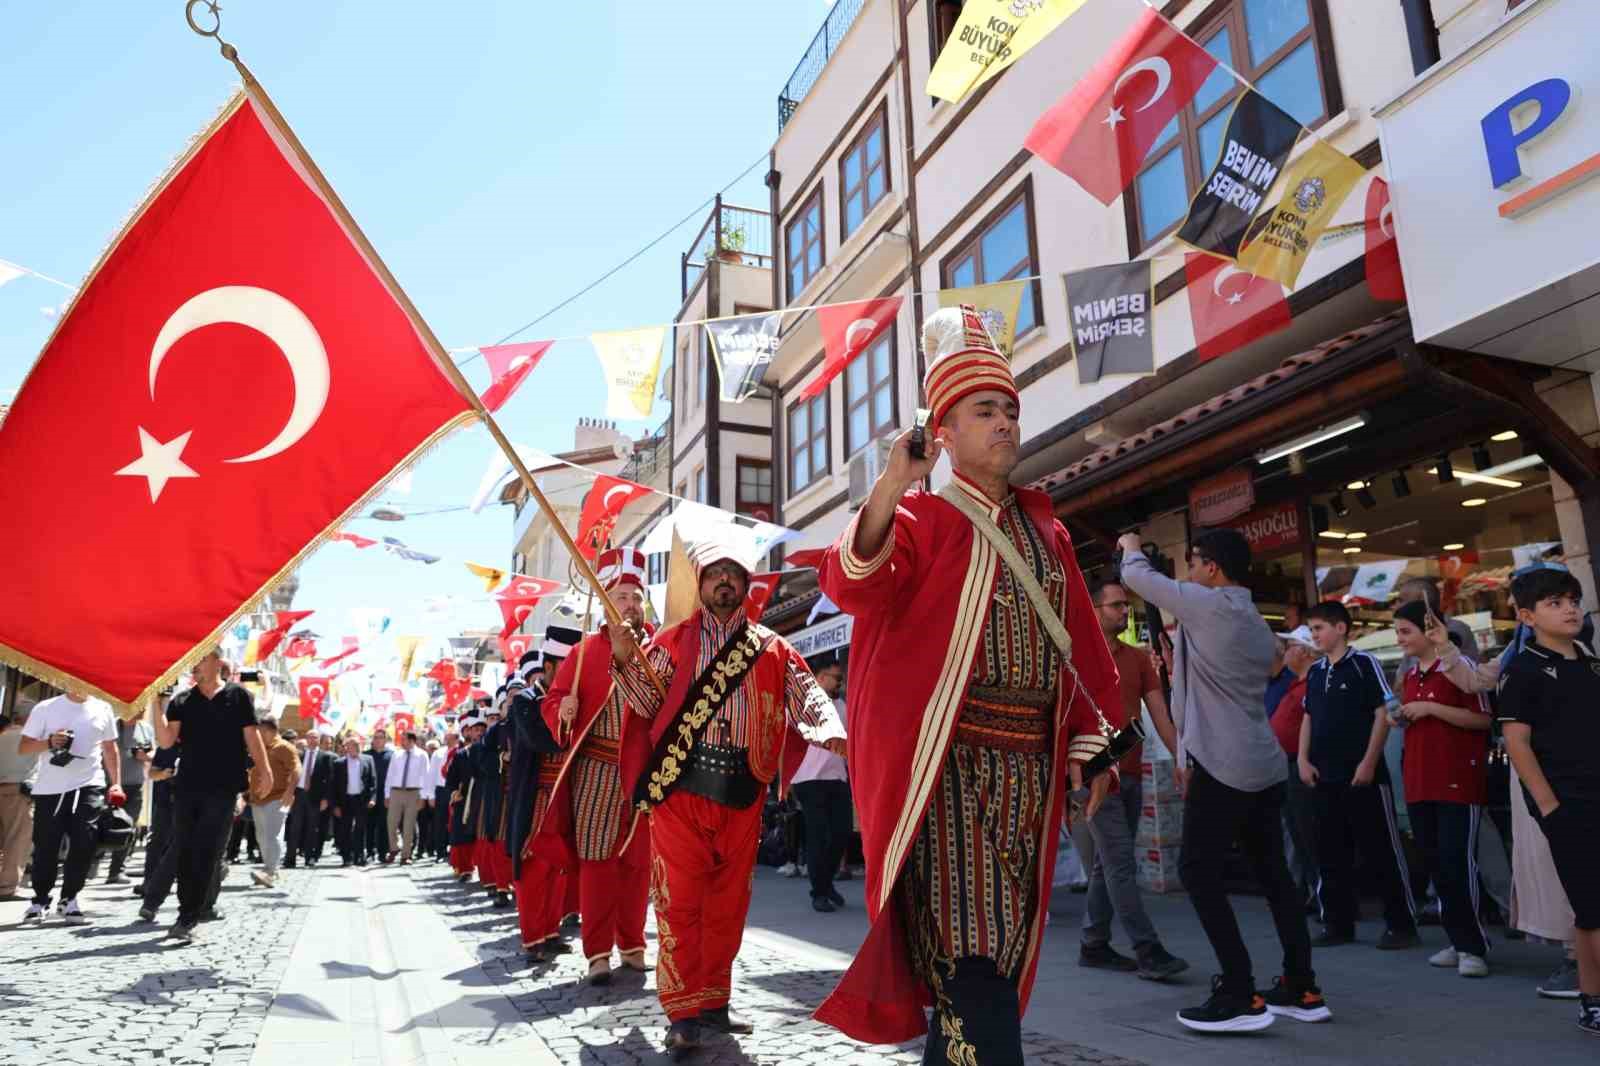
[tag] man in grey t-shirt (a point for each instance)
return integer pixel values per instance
(1233, 774)
(136, 742)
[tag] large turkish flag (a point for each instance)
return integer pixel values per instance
(234, 378)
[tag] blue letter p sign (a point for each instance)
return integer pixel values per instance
(1501, 142)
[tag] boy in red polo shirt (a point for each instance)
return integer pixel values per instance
(1445, 754)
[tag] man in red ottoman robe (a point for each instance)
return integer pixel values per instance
(547, 861)
(740, 705)
(593, 802)
(967, 721)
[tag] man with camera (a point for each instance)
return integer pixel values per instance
(80, 736)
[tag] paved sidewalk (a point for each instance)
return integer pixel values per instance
(117, 991)
(778, 981)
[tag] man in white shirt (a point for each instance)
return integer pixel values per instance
(355, 792)
(79, 737)
(410, 770)
(438, 839)
(822, 785)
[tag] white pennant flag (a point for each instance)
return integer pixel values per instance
(9, 272)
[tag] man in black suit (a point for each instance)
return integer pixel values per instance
(310, 800)
(376, 827)
(353, 789)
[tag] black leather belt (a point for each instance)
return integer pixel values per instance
(721, 775)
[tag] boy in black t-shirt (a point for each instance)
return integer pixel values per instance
(1550, 715)
(1341, 759)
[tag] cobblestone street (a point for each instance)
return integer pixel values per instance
(118, 991)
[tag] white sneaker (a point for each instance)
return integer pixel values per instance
(1472, 966)
(788, 869)
(262, 878)
(35, 912)
(1445, 959)
(71, 914)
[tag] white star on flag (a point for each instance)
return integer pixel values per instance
(158, 463)
(1237, 297)
(1113, 117)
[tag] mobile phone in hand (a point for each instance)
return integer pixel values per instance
(919, 435)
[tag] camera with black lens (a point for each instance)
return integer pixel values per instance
(63, 755)
(1159, 561)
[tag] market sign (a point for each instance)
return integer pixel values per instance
(1218, 499)
(823, 637)
(1271, 528)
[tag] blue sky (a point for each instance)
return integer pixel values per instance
(499, 155)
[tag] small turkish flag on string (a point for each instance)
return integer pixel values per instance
(510, 364)
(1384, 277)
(443, 671)
(404, 722)
(759, 594)
(1100, 132)
(847, 331)
(348, 651)
(517, 599)
(601, 508)
(313, 697)
(514, 647)
(456, 691)
(353, 538)
(1230, 308)
(282, 622)
(242, 336)
(803, 558)
(300, 648)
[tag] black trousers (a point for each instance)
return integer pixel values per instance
(1216, 816)
(160, 838)
(1352, 818)
(350, 829)
(984, 1014)
(202, 820)
(304, 828)
(68, 816)
(375, 828)
(1447, 837)
(439, 833)
(827, 812)
(135, 794)
(243, 833)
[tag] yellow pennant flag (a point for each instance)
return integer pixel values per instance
(1280, 240)
(997, 303)
(491, 576)
(407, 647)
(631, 360)
(252, 650)
(990, 36)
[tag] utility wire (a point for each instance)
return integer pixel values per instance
(626, 262)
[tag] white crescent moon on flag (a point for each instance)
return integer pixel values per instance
(316, 690)
(1386, 219)
(1227, 271)
(866, 325)
(1155, 65)
(762, 585)
(285, 325)
(520, 614)
(605, 501)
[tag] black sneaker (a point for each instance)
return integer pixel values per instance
(1227, 1011)
(1105, 957)
(1398, 939)
(1300, 999)
(1589, 1014)
(1156, 963)
(836, 899)
(1332, 938)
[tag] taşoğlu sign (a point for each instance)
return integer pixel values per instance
(1271, 528)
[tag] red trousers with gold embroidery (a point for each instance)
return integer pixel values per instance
(703, 855)
(541, 900)
(612, 897)
(494, 865)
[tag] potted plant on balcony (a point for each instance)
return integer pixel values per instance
(730, 244)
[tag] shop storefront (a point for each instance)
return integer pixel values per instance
(1353, 468)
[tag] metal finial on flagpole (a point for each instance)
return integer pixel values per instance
(213, 9)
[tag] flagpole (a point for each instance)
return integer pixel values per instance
(254, 89)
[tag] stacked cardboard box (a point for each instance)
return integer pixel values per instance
(1160, 828)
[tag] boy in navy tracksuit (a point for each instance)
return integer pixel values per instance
(1550, 715)
(1341, 758)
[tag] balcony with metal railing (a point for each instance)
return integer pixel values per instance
(651, 454)
(741, 235)
(823, 45)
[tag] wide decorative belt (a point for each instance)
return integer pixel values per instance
(601, 749)
(721, 775)
(1006, 719)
